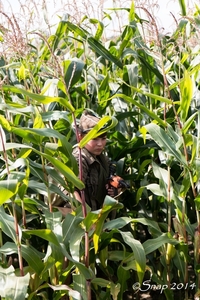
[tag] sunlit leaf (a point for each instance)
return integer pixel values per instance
(8, 188)
(94, 44)
(45, 234)
(22, 72)
(40, 98)
(12, 286)
(166, 144)
(142, 107)
(186, 89)
(183, 7)
(154, 244)
(70, 224)
(80, 285)
(5, 124)
(100, 28)
(86, 272)
(108, 205)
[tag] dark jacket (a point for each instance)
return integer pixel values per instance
(95, 176)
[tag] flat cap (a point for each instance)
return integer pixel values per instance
(88, 120)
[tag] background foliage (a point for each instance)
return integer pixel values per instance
(150, 84)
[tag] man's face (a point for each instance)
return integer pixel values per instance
(96, 145)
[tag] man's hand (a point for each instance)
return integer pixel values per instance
(111, 191)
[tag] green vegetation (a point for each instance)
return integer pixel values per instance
(152, 90)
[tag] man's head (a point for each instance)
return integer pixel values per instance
(87, 121)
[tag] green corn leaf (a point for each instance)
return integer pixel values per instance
(33, 134)
(165, 142)
(79, 285)
(41, 187)
(53, 42)
(117, 223)
(115, 290)
(104, 92)
(66, 171)
(86, 272)
(17, 110)
(153, 244)
(40, 98)
(101, 50)
(163, 176)
(75, 243)
(132, 71)
(180, 265)
(7, 225)
(108, 205)
(90, 219)
(72, 69)
(19, 163)
(189, 122)
(70, 224)
(45, 234)
(12, 286)
(126, 37)
(63, 287)
(123, 276)
(132, 12)
(28, 134)
(139, 253)
(30, 254)
(145, 163)
(152, 226)
(95, 45)
(100, 28)
(186, 90)
(142, 107)
(103, 283)
(8, 188)
(183, 7)
(55, 115)
(157, 190)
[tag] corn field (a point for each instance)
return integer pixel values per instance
(145, 86)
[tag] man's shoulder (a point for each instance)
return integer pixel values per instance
(86, 155)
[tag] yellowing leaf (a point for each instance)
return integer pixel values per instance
(143, 131)
(5, 124)
(22, 73)
(186, 90)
